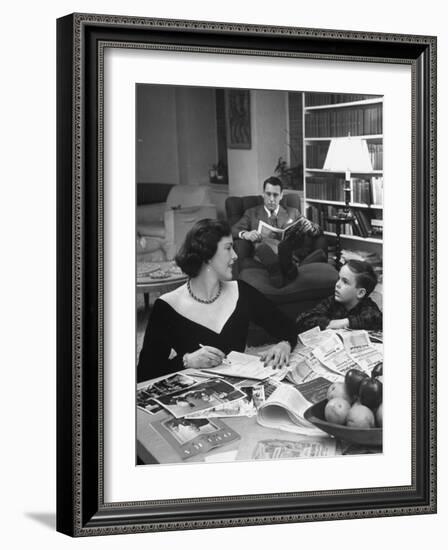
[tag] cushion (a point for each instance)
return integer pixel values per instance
(152, 229)
(314, 281)
(148, 244)
(148, 213)
(182, 196)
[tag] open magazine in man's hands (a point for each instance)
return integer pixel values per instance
(300, 225)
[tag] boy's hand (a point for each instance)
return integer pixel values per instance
(338, 323)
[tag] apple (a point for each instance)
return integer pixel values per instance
(377, 370)
(360, 416)
(371, 393)
(336, 410)
(338, 389)
(353, 379)
(379, 416)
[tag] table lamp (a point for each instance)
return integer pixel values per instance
(346, 154)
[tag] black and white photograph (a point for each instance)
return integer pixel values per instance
(259, 245)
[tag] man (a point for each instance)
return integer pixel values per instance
(278, 256)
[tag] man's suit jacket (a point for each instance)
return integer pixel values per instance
(252, 216)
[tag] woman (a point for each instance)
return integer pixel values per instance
(197, 324)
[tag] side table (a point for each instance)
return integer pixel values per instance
(148, 281)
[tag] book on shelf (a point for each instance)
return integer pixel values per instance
(377, 190)
(376, 155)
(360, 191)
(355, 227)
(363, 222)
(377, 227)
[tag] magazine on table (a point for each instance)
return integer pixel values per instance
(244, 365)
(314, 390)
(335, 350)
(164, 386)
(360, 348)
(337, 360)
(309, 447)
(305, 366)
(190, 437)
(284, 410)
(200, 397)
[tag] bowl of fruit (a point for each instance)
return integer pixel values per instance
(353, 409)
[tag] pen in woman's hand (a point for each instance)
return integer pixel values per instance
(216, 352)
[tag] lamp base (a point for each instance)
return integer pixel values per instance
(340, 219)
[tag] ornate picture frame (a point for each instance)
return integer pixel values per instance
(81, 506)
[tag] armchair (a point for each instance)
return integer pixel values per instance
(162, 226)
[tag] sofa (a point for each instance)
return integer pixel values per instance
(165, 213)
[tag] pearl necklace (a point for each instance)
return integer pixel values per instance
(200, 300)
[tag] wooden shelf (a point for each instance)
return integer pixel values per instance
(355, 237)
(369, 137)
(340, 203)
(321, 170)
(361, 102)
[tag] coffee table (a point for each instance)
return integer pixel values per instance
(158, 277)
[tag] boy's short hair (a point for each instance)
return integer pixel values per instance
(365, 276)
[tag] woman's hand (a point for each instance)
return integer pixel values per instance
(204, 358)
(277, 356)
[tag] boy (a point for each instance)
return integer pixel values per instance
(350, 306)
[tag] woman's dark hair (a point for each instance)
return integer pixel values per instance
(200, 245)
(365, 276)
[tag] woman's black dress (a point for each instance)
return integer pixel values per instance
(168, 330)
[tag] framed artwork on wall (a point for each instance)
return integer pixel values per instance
(238, 119)
(221, 465)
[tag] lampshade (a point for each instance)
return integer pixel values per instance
(348, 154)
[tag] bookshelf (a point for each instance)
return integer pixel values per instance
(327, 117)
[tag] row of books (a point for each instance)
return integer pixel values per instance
(364, 224)
(331, 188)
(356, 121)
(316, 153)
(319, 98)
